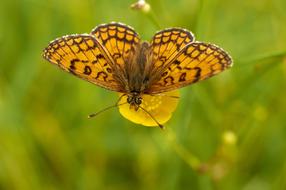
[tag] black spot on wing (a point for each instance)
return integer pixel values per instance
(87, 70)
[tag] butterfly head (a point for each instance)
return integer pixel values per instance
(134, 99)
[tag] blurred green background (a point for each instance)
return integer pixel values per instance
(228, 132)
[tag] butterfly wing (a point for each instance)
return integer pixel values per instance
(119, 40)
(166, 44)
(195, 62)
(83, 56)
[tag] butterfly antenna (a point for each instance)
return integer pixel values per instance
(109, 107)
(160, 125)
(105, 109)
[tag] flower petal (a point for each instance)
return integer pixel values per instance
(160, 106)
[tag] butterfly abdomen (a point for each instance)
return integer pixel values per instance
(136, 68)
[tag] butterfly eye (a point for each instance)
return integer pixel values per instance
(138, 101)
(129, 99)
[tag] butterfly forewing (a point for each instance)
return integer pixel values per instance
(166, 44)
(119, 40)
(195, 62)
(82, 56)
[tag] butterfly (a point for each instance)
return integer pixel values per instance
(113, 56)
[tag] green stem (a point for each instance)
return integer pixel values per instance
(153, 18)
(182, 152)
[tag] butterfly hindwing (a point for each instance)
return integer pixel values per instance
(195, 62)
(82, 56)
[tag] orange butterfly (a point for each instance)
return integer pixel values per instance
(112, 56)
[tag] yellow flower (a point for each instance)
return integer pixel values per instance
(160, 106)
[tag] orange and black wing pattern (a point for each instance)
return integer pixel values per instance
(119, 40)
(83, 56)
(195, 62)
(166, 44)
